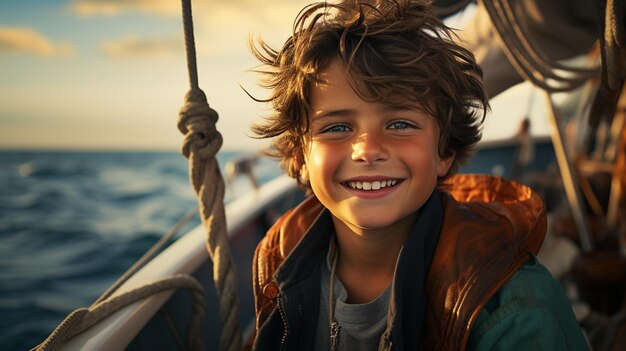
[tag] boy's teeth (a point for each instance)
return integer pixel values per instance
(377, 185)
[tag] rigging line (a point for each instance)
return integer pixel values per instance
(150, 253)
(202, 141)
(82, 319)
(612, 53)
(190, 48)
(569, 176)
(614, 38)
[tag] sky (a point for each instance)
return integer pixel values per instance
(111, 74)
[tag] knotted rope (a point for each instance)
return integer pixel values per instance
(201, 143)
(83, 318)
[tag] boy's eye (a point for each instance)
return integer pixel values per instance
(401, 125)
(336, 128)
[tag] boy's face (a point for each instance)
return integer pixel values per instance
(373, 166)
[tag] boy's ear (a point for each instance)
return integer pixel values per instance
(304, 174)
(445, 164)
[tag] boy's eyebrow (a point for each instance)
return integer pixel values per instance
(405, 108)
(400, 108)
(347, 112)
(333, 113)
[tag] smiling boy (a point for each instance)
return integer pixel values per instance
(372, 166)
(375, 108)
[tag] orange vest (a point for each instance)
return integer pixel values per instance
(490, 226)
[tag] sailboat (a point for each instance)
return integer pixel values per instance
(170, 301)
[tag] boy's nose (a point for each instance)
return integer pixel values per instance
(369, 148)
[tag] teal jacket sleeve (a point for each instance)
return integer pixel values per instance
(530, 312)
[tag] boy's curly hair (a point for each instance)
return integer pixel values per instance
(395, 52)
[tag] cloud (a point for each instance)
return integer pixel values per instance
(224, 29)
(116, 7)
(14, 40)
(221, 29)
(173, 8)
(134, 47)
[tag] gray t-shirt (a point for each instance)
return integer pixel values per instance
(361, 324)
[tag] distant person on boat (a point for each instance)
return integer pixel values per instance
(524, 152)
(242, 165)
(375, 107)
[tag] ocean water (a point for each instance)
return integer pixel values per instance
(72, 222)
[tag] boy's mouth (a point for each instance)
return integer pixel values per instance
(375, 185)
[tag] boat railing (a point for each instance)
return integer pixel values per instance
(119, 329)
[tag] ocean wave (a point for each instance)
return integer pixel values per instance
(72, 222)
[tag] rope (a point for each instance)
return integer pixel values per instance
(83, 318)
(449, 10)
(150, 253)
(613, 40)
(201, 143)
(530, 63)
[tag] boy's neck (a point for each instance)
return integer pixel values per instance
(367, 259)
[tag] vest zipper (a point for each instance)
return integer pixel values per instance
(334, 336)
(281, 311)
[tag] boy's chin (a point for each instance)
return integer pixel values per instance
(379, 223)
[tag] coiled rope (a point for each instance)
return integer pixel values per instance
(446, 10)
(529, 61)
(551, 76)
(201, 143)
